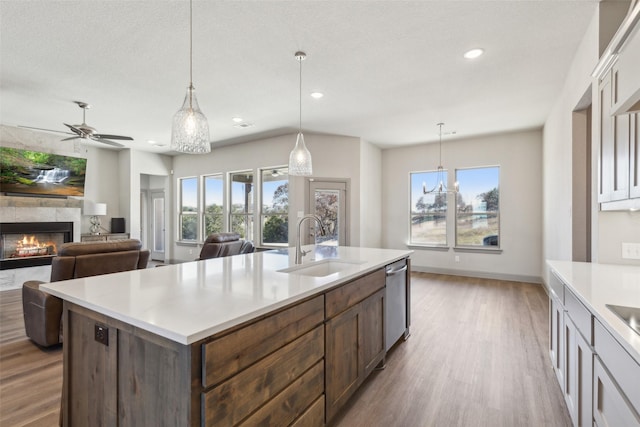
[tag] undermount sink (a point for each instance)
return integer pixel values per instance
(629, 315)
(322, 268)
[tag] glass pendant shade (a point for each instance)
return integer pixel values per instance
(190, 131)
(300, 158)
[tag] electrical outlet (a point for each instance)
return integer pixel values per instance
(190, 251)
(101, 334)
(457, 258)
(631, 250)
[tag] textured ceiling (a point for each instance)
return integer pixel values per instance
(390, 70)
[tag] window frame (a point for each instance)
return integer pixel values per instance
(183, 214)
(249, 215)
(262, 216)
(222, 215)
(479, 248)
(441, 246)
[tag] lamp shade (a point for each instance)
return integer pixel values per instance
(190, 131)
(94, 209)
(300, 159)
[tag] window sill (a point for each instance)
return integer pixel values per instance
(186, 243)
(480, 249)
(440, 248)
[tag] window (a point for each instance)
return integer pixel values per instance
(213, 204)
(188, 216)
(428, 211)
(241, 212)
(275, 206)
(478, 207)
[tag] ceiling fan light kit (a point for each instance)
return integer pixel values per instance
(300, 157)
(190, 130)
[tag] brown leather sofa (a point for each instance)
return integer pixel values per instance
(225, 244)
(43, 312)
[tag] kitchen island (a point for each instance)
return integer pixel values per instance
(243, 340)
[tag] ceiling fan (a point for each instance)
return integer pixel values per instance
(84, 131)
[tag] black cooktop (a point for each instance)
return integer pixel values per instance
(629, 315)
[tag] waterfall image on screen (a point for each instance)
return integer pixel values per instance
(44, 174)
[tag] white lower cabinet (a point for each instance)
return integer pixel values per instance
(578, 375)
(610, 406)
(599, 379)
(556, 337)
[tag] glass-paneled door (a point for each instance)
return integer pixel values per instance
(328, 200)
(157, 226)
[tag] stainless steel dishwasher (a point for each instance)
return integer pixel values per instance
(397, 303)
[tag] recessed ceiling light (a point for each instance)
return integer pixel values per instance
(473, 53)
(243, 125)
(237, 119)
(317, 95)
(156, 143)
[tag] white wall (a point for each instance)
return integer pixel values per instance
(519, 156)
(333, 157)
(370, 195)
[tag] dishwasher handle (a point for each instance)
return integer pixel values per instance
(391, 272)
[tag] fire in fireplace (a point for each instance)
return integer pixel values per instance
(30, 244)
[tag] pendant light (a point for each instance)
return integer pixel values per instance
(190, 131)
(300, 157)
(440, 186)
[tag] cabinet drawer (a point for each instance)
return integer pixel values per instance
(624, 370)
(556, 286)
(610, 408)
(580, 315)
(313, 416)
(230, 402)
(293, 402)
(340, 299)
(227, 355)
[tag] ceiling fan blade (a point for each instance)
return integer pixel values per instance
(46, 130)
(69, 139)
(106, 141)
(120, 137)
(74, 129)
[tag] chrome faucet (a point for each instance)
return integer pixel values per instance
(299, 251)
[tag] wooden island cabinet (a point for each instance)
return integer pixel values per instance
(294, 366)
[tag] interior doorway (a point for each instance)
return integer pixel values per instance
(154, 225)
(328, 199)
(581, 180)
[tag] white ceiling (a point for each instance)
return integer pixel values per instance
(390, 70)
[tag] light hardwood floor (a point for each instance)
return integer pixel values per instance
(477, 356)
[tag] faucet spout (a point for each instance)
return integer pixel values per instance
(300, 253)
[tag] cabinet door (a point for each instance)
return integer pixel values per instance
(373, 349)
(634, 154)
(354, 346)
(621, 142)
(610, 407)
(605, 143)
(342, 358)
(556, 339)
(578, 375)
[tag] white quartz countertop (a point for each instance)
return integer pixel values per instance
(191, 301)
(599, 284)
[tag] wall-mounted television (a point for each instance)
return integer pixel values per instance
(41, 174)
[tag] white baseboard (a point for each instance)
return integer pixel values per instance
(480, 274)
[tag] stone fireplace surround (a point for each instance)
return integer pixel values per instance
(36, 209)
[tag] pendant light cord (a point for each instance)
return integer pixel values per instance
(300, 96)
(190, 53)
